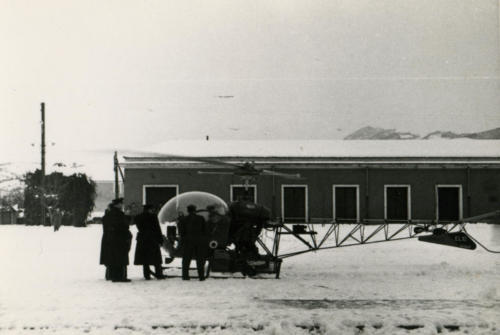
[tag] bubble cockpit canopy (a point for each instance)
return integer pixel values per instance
(177, 206)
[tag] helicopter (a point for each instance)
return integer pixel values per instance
(245, 238)
(236, 242)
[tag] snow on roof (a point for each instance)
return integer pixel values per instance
(331, 148)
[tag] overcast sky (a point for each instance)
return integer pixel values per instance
(135, 73)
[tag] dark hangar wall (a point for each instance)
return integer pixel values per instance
(480, 187)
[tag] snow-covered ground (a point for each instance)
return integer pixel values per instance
(51, 283)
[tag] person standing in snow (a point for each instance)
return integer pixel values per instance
(105, 257)
(194, 242)
(149, 239)
(116, 257)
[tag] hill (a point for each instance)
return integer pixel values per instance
(374, 133)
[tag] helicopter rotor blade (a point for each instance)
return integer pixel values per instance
(207, 160)
(242, 169)
(216, 173)
(154, 154)
(282, 174)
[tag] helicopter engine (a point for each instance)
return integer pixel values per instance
(247, 222)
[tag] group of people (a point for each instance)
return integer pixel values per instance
(117, 240)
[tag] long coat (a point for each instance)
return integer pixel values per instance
(194, 242)
(120, 238)
(149, 239)
(106, 247)
(193, 233)
(192, 228)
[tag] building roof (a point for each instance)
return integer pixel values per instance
(328, 148)
(332, 148)
(486, 152)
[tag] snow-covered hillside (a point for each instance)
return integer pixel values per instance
(51, 283)
(376, 133)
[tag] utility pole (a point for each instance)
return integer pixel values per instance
(115, 166)
(42, 182)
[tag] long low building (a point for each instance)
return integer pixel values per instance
(349, 181)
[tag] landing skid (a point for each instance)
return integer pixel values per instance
(252, 269)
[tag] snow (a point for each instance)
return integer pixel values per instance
(51, 283)
(330, 148)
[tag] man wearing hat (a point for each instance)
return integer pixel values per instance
(149, 239)
(118, 242)
(194, 242)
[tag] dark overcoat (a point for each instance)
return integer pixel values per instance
(194, 242)
(106, 243)
(149, 239)
(120, 237)
(192, 228)
(193, 232)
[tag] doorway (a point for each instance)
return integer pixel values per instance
(158, 195)
(294, 203)
(397, 202)
(346, 203)
(449, 203)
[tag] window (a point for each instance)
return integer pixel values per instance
(238, 191)
(397, 202)
(346, 203)
(294, 203)
(158, 195)
(448, 203)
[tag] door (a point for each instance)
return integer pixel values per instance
(448, 203)
(294, 203)
(346, 206)
(397, 199)
(158, 195)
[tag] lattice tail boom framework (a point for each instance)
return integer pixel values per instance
(336, 235)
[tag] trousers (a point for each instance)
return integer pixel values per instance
(117, 272)
(146, 271)
(198, 251)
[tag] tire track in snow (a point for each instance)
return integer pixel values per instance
(422, 304)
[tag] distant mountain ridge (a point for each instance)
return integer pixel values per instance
(374, 133)
(492, 134)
